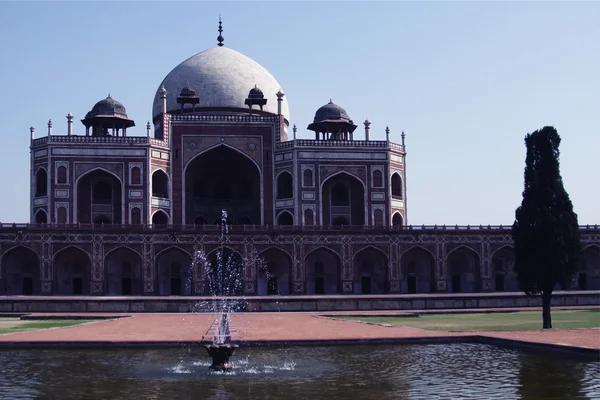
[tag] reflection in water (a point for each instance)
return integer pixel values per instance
(449, 371)
(568, 379)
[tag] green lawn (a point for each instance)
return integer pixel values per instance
(12, 325)
(561, 319)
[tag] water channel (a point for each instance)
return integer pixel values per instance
(439, 371)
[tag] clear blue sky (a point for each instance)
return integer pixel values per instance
(465, 80)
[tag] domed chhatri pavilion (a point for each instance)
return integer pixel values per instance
(113, 214)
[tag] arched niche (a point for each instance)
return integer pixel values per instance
(322, 268)
(99, 198)
(160, 184)
(343, 197)
(21, 272)
(41, 183)
(285, 218)
(285, 186)
(72, 272)
(396, 186)
(160, 218)
(222, 178)
(418, 271)
(174, 272)
(397, 221)
(274, 273)
(505, 277)
(123, 273)
(464, 270)
(41, 217)
(370, 272)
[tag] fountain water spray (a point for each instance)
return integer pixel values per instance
(224, 279)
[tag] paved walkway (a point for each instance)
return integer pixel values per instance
(269, 327)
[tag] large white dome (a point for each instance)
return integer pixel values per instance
(221, 77)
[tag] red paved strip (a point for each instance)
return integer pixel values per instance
(276, 327)
(138, 328)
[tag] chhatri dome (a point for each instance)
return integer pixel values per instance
(222, 78)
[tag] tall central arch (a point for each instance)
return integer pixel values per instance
(222, 178)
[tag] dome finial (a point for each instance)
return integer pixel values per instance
(330, 102)
(220, 37)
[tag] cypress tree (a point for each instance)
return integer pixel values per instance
(545, 232)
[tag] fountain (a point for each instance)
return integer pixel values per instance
(223, 281)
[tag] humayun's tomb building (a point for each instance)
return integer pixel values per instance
(115, 214)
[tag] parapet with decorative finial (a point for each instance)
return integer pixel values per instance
(220, 38)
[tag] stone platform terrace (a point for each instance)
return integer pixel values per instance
(313, 303)
(300, 328)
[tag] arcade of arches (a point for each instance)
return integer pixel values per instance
(20, 271)
(222, 178)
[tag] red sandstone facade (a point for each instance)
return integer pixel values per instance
(113, 214)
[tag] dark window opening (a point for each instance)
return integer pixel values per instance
(61, 174)
(102, 193)
(340, 194)
(377, 178)
(365, 285)
(285, 186)
(136, 176)
(285, 218)
(456, 283)
(41, 183)
(160, 184)
(499, 283)
(245, 220)
(319, 285)
(222, 192)
(396, 186)
(307, 177)
(41, 217)
(160, 218)
(338, 221)
(411, 282)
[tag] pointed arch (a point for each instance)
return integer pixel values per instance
(21, 266)
(370, 267)
(160, 184)
(172, 248)
(503, 247)
(396, 181)
(250, 183)
(160, 217)
(397, 220)
(285, 185)
(417, 266)
(502, 262)
(275, 248)
(80, 200)
(322, 271)
(123, 272)
(174, 273)
(464, 264)
(73, 267)
(355, 212)
(41, 182)
(274, 275)
(41, 217)
(285, 218)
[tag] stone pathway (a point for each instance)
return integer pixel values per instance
(265, 327)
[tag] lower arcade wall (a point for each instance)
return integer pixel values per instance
(166, 262)
(187, 304)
